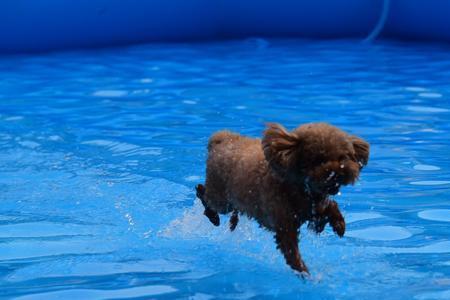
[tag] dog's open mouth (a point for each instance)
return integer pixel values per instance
(332, 185)
(333, 190)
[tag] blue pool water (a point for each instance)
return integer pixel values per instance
(100, 152)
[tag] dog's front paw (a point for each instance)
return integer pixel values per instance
(303, 275)
(338, 226)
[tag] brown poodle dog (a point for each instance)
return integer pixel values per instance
(283, 180)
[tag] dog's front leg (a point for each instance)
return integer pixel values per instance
(337, 221)
(328, 212)
(287, 242)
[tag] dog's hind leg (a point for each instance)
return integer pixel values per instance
(200, 189)
(212, 215)
(234, 219)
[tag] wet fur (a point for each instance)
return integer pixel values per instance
(283, 180)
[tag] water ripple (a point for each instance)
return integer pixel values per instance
(360, 216)
(87, 269)
(442, 215)
(434, 248)
(380, 233)
(136, 292)
(426, 168)
(43, 229)
(25, 250)
(110, 93)
(430, 182)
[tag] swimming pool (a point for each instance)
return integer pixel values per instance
(100, 152)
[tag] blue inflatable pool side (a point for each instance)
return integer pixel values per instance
(42, 25)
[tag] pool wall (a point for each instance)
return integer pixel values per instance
(42, 25)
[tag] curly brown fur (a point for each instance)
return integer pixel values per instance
(283, 180)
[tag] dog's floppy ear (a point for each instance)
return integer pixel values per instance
(279, 145)
(361, 150)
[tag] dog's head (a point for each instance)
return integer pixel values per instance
(318, 153)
